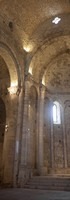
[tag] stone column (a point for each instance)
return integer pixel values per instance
(51, 137)
(23, 171)
(64, 139)
(9, 138)
(41, 122)
(18, 137)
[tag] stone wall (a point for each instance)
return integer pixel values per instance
(2, 131)
(56, 136)
(47, 135)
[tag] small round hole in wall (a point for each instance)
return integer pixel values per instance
(11, 26)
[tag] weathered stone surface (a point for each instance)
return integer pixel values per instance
(34, 73)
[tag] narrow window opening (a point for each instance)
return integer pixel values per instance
(56, 113)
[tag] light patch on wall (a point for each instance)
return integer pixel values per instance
(6, 127)
(13, 84)
(56, 20)
(28, 48)
(13, 88)
(30, 71)
(54, 113)
(17, 146)
(43, 81)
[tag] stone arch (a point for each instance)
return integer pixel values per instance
(4, 77)
(12, 64)
(11, 105)
(42, 34)
(62, 58)
(40, 61)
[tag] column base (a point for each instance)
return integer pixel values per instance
(25, 174)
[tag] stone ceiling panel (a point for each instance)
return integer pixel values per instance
(27, 15)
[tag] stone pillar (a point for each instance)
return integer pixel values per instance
(18, 137)
(9, 138)
(64, 139)
(51, 138)
(23, 169)
(41, 123)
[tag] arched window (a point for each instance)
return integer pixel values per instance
(56, 113)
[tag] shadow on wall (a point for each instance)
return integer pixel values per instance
(2, 130)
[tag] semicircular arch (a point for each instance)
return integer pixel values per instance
(12, 64)
(44, 56)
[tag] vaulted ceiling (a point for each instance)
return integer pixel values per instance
(29, 22)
